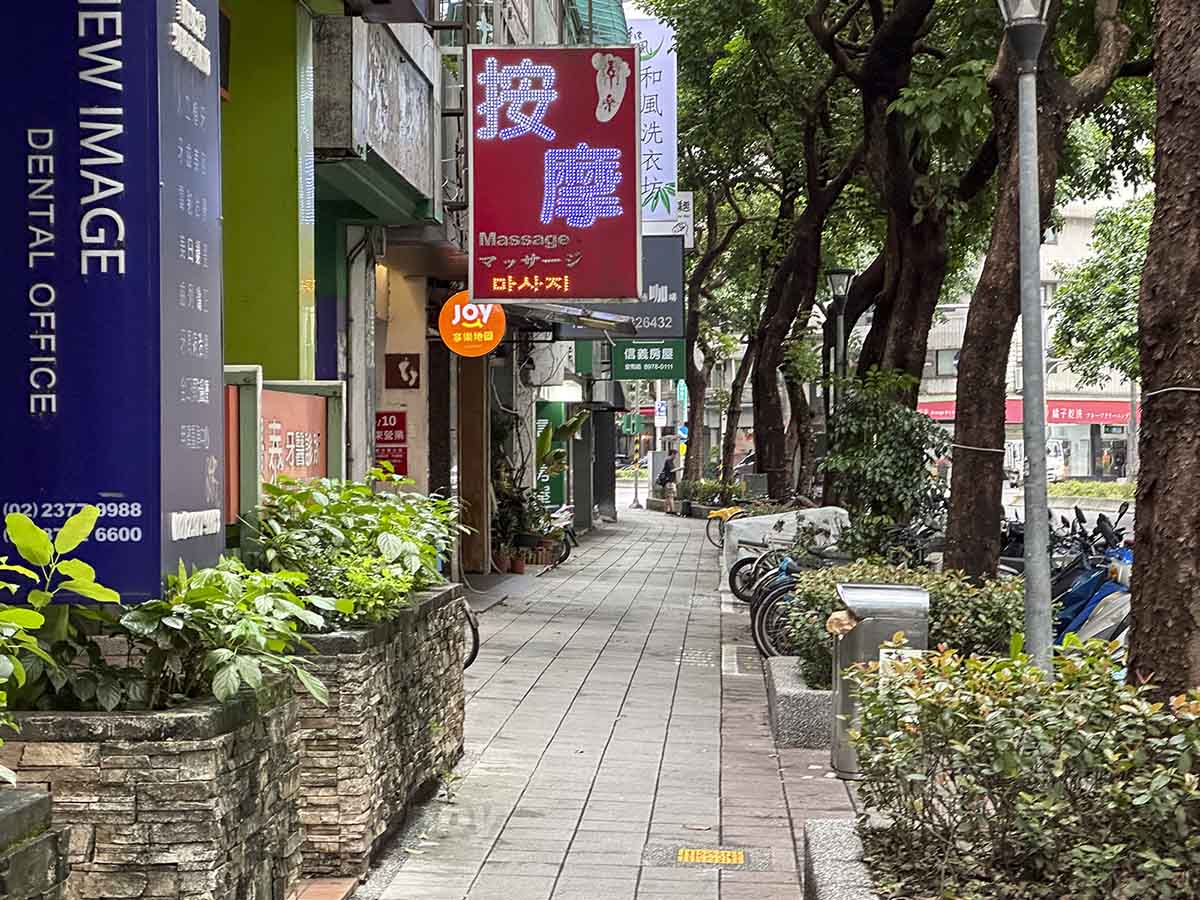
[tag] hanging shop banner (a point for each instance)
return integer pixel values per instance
(554, 174)
(648, 360)
(655, 41)
(685, 225)
(471, 329)
(659, 312)
(552, 489)
(110, 224)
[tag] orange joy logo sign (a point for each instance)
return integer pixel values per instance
(471, 329)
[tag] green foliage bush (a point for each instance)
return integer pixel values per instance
(216, 631)
(975, 619)
(1100, 490)
(1000, 783)
(362, 541)
(880, 458)
(708, 491)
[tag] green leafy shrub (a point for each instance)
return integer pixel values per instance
(1001, 783)
(65, 666)
(1101, 490)
(710, 491)
(222, 629)
(362, 541)
(880, 456)
(976, 619)
(16, 640)
(218, 629)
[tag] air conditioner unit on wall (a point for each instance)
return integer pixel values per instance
(396, 11)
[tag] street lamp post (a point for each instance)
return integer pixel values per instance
(1025, 24)
(839, 287)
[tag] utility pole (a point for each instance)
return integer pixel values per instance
(1131, 433)
(1025, 22)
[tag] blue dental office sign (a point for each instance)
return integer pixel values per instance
(111, 387)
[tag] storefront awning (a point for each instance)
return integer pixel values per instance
(1058, 412)
(553, 314)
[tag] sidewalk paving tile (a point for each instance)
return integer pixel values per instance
(600, 721)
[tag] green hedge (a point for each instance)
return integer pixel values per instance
(1100, 490)
(998, 782)
(970, 618)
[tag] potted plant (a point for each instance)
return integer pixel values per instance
(518, 562)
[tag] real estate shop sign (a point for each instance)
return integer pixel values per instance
(110, 370)
(554, 203)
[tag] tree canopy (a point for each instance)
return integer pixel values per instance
(1095, 306)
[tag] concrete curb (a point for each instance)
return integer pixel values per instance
(833, 862)
(799, 717)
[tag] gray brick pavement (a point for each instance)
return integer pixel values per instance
(609, 720)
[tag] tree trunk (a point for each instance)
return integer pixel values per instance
(697, 385)
(977, 479)
(793, 291)
(799, 437)
(915, 262)
(973, 527)
(1165, 637)
(733, 412)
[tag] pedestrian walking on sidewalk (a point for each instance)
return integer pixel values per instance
(666, 480)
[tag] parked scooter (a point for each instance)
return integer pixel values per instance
(563, 519)
(1097, 605)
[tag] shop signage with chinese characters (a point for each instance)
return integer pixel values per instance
(648, 360)
(554, 203)
(471, 329)
(111, 360)
(391, 439)
(1058, 412)
(293, 436)
(659, 312)
(655, 41)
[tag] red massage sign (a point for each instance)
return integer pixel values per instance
(554, 204)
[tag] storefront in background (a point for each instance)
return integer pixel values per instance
(1084, 438)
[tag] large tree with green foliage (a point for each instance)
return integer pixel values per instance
(1095, 306)
(1087, 44)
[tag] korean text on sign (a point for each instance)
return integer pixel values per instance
(555, 206)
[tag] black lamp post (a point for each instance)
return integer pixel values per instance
(1025, 25)
(839, 288)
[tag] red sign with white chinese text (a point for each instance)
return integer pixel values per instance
(293, 436)
(1058, 412)
(391, 439)
(397, 456)
(554, 203)
(391, 428)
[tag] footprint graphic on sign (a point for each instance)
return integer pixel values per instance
(612, 75)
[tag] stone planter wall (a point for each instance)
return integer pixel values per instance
(393, 724)
(833, 862)
(799, 715)
(199, 802)
(33, 854)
